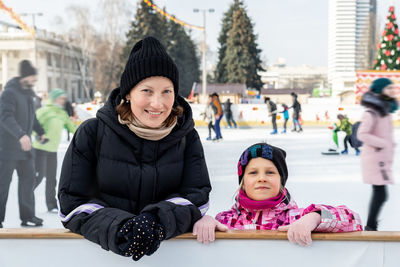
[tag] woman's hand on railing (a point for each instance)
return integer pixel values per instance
(205, 229)
(299, 232)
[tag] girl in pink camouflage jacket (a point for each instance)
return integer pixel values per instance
(263, 202)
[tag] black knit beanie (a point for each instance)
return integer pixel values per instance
(26, 69)
(263, 150)
(148, 58)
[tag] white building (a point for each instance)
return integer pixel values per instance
(351, 41)
(55, 60)
(279, 76)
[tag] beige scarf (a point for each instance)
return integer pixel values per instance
(152, 134)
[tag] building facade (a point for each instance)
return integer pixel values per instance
(278, 76)
(232, 91)
(351, 41)
(57, 62)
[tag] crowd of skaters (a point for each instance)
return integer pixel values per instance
(215, 111)
(213, 114)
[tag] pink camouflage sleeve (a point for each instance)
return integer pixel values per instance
(229, 218)
(333, 219)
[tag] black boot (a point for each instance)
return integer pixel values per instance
(34, 222)
(1, 225)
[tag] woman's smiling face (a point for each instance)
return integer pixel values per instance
(152, 100)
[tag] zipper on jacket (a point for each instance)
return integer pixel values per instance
(155, 173)
(256, 217)
(139, 206)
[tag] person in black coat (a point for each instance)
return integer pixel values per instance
(296, 113)
(228, 114)
(272, 111)
(136, 174)
(17, 121)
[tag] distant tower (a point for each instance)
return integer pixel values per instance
(373, 40)
(351, 40)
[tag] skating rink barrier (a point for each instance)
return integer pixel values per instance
(59, 247)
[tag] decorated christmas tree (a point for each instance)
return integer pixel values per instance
(389, 48)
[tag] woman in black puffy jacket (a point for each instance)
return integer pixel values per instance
(136, 174)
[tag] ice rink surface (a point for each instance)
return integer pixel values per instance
(313, 178)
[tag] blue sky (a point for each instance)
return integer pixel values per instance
(294, 29)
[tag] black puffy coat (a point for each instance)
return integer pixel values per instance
(17, 118)
(110, 175)
(296, 109)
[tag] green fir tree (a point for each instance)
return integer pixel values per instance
(389, 48)
(173, 36)
(183, 51)
(147, 22)
(242, 58)
(220, 71)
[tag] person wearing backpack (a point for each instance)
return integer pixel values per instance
(376, 133)
(136, 174)
(272, 111)
(346, 127)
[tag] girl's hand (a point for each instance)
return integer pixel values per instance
(300, 231)
(205, 228)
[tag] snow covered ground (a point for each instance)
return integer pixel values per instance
(313, 178)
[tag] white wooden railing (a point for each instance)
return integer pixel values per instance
(59, 248)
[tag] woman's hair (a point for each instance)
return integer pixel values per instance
(125, 112)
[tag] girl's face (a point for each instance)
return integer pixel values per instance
(261, 179)
(152, 100)
(390, 91)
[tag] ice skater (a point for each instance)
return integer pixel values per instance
(346, 127)
(296, 113)
(54, 119)
(285, 116)
(376, 133)
(17, 121)
(209, 117)
(263, 202)
(272, 111)
(228, 113)
(219, 113)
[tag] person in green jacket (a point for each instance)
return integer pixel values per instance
(346, 127)
(53, 119)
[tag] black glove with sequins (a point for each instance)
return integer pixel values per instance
(141, 235)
